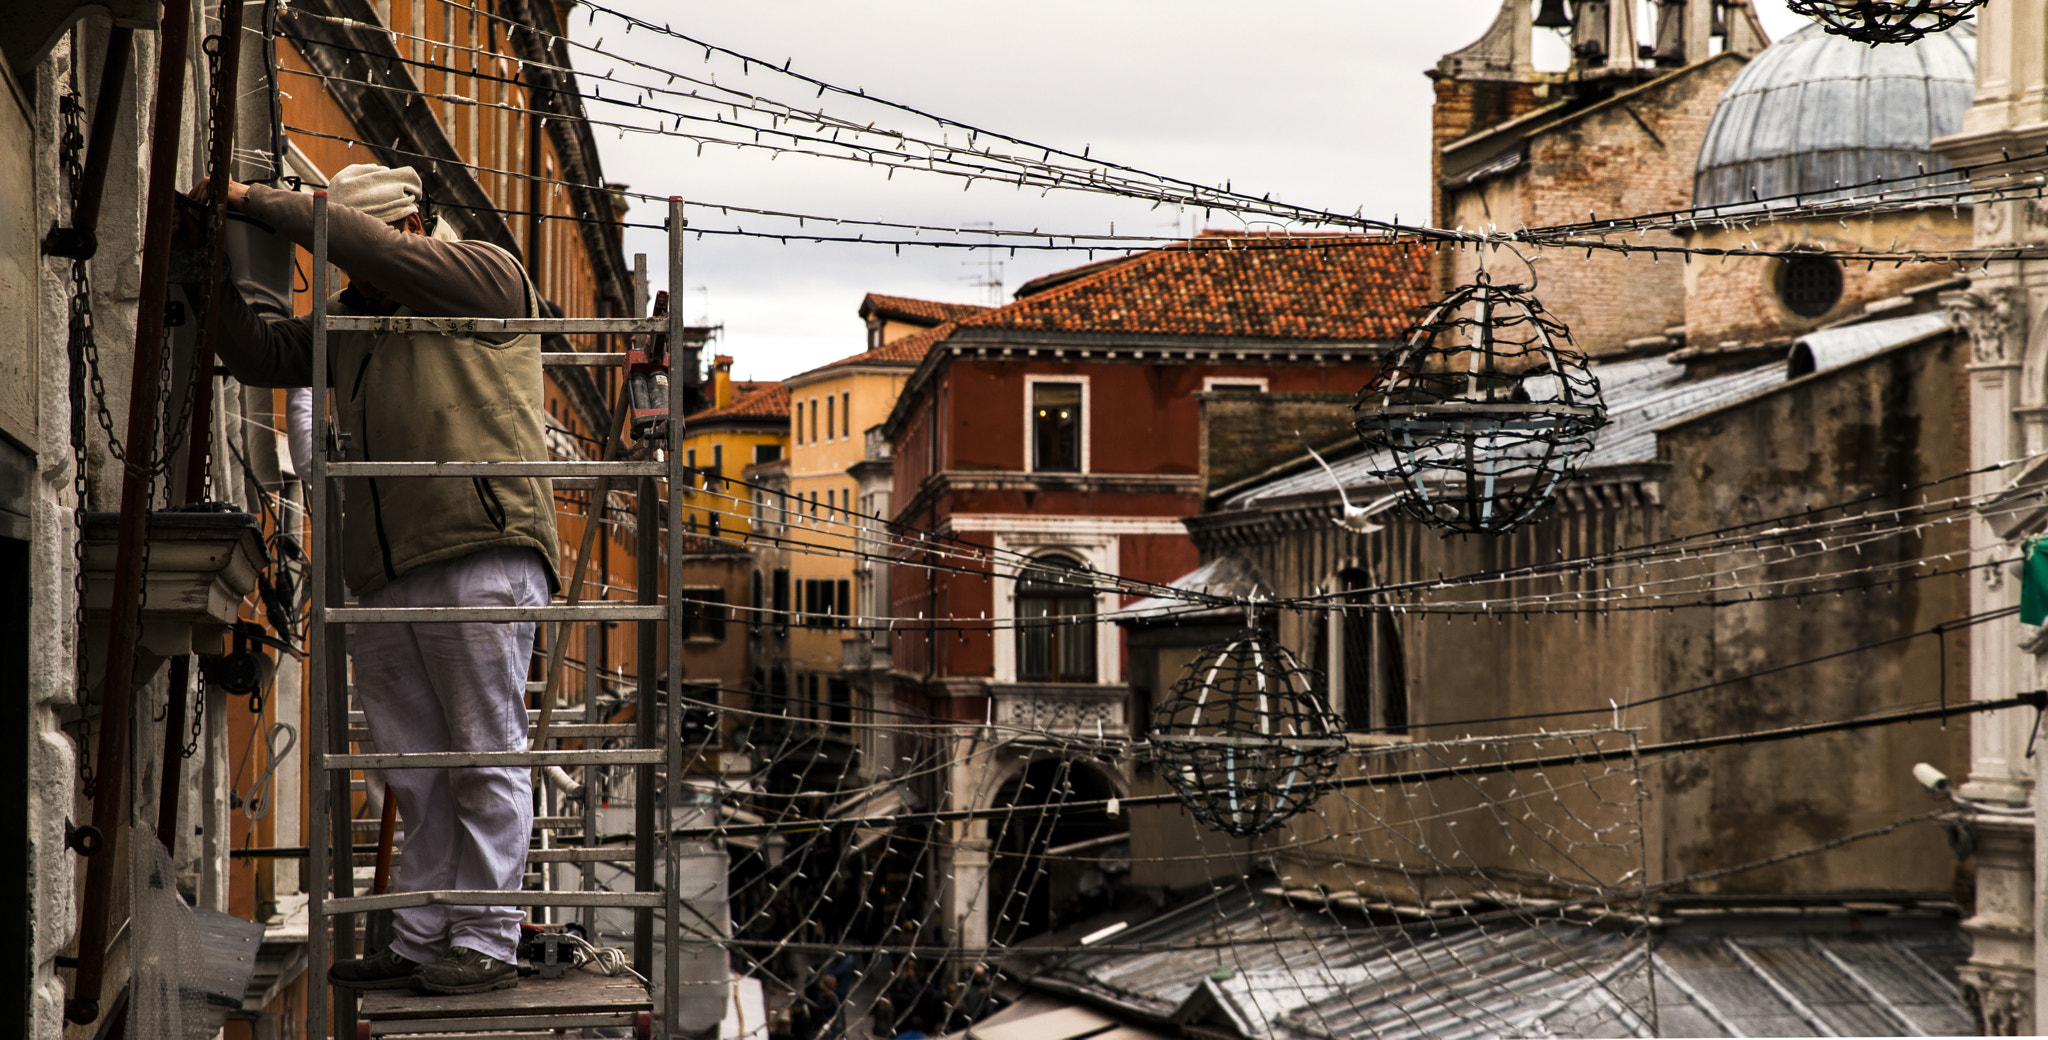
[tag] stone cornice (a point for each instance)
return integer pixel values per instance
(945, 482)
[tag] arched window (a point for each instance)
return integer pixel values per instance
(1055, 622)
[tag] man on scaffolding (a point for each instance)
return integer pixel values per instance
(428, 542)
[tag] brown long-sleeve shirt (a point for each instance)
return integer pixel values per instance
(431, 277)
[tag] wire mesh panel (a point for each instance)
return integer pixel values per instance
(1886, 21)
(1483, 412)
(1244, 737)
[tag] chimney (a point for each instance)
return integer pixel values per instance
(721, 381)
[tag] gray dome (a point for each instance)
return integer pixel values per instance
(1814, 110)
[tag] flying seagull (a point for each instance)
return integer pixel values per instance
(1355, 518)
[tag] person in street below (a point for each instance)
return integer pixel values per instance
(427, 542)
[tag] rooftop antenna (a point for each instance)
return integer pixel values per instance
(704, 303)
(990, 278)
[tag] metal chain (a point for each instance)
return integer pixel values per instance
(211, 45)
(198, 719)
(69, 146)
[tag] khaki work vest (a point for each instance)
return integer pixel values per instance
(442, 396)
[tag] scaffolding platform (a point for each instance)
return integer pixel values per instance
(579, 1000)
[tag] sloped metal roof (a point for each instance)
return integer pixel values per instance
(1641, 395)
(1294, 974)
(1815, 110)
(1229, 575)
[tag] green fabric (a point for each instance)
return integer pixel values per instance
(2034, 584)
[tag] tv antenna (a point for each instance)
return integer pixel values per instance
(990, 278)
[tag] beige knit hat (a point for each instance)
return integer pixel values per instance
(383, 193)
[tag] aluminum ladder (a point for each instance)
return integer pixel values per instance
(331, 872)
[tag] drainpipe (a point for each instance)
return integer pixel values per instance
(83, 1005)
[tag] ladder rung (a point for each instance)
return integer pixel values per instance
(613, 611)
(607, 854)
(545, 1026)
(473, 897)
(459, 326)
(564, 730)
(497, 469)
(595, 357)
(617, 485)
(356, 719)
(459, 759)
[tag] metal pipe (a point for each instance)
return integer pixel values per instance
(125, 614)
(199, 438)
(322, 646)
(172, 776)
(221, 168)
(647, 576)
(671, 795)
(92, 182)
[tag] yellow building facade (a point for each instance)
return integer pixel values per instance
(831, 409)
(747, 423)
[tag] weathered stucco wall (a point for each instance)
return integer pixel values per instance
(1861, 430)
(1865, 431)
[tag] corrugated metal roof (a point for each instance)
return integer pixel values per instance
(1227, 575)
(1815, 110)
(1537, 978)
(1641, 395)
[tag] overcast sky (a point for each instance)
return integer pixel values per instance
(1321, 103)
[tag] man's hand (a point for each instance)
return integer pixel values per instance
(238, 193)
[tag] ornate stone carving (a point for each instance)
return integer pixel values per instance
(1987, 315)
(1084, 714)
(2002, 1001)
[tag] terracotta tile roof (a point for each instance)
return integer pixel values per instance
(743, 387)
(1258, 286)
(924, 312)
(909, 350)
(771, 402)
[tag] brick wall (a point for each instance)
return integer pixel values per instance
(1464, 108)
(1634, 153)
(1244, 435)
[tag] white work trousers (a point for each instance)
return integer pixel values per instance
(455, 686)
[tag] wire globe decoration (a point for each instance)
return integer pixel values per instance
(1886, 21)
(1482, 412)
(1244, 738)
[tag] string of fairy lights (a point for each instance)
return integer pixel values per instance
(1973, 184)
(1402, 827)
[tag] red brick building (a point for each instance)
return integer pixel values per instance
(1064, 430)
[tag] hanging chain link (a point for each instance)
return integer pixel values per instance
(69, 146)
(198, 720)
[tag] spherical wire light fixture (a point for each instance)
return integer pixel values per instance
(1886, 21)
(1482, 412)
(1244, 737)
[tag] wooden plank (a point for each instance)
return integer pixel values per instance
(576, 992)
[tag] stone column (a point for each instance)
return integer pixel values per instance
(2009, 419)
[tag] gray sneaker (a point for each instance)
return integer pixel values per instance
(381, 970)
(465, 971)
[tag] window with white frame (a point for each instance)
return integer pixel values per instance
(1235, 384)
(1058, 426)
